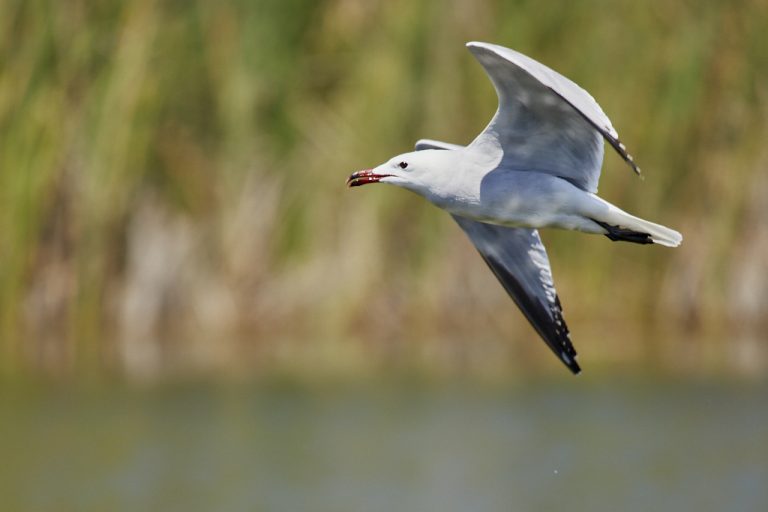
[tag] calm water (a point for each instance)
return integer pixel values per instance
(574, 445)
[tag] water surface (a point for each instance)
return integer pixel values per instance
(574, 445)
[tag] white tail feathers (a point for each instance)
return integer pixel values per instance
(661, 235)
(614, 216)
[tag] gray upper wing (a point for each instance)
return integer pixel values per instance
(518, 259)
(423, 144)
(544, 122)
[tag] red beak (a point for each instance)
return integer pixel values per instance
(364, 177)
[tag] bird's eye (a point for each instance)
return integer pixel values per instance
(403, 165)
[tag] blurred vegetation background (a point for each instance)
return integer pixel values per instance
(172, 186)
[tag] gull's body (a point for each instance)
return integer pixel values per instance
(536, 165)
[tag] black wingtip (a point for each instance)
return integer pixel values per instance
(621, 149)
(573, 366)
(548, 322)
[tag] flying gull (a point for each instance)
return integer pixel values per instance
(535, 165)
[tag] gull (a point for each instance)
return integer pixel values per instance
(536, 165)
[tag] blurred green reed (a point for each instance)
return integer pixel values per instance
(172, 185)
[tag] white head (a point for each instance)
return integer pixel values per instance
(419, 171)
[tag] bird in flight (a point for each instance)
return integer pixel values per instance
(536, 165)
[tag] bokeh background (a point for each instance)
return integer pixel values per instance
(172, 185)
(172, 208)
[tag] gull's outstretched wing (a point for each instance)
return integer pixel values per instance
(518, 259)
(423, 144)
(544, 122)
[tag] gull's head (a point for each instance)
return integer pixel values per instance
(416, 171)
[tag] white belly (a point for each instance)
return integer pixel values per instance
(524, 199)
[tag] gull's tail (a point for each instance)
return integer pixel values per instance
(621, 226)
